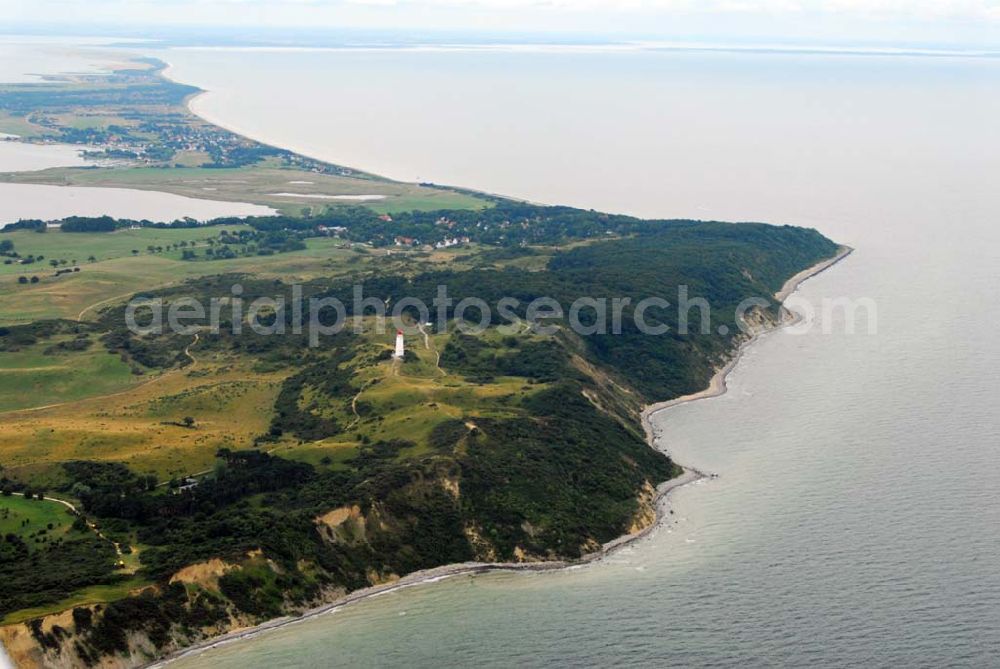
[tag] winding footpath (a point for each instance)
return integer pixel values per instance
(76, 512)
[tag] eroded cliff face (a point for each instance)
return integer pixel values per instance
(80, 637)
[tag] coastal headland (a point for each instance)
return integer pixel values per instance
(262, 479)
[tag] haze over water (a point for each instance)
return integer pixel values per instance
(855, 517)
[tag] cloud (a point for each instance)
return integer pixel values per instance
(952, 21)
(928, 9)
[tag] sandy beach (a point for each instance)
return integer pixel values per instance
(715, 388)
(717, 385)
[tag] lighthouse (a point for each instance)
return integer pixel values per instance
(399, 345)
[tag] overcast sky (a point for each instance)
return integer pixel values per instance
(959, 22)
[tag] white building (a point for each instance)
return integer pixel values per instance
(399, 345)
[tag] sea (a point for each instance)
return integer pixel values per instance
(854, 520)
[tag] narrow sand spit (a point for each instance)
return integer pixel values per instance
(716, 387)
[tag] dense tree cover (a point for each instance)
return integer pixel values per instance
(507, 224)
(33, 575)
(549, 483)
(90, 224)
(330, 383)
(536, 360)
(554, 476)
(241, 156)
(16, 337)
(25, 224)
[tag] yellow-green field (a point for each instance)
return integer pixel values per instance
(408, 400)
(230, 403)
(27, 518)
(258, 184)
(58, 405)
(38, 375)
(118, 273)
(16, 125)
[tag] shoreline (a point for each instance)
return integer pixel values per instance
(717, 386)
(190, 105)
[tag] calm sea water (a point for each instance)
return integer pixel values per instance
(855, 520)
(30, 59)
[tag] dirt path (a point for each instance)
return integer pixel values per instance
(427, 345)
(187, 349)
(92, 526)
(187, 352)
(354, 406)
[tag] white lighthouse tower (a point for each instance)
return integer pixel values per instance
(399, 345)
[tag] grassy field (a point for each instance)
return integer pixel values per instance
(32, 376)
(118, 273)
(259, 184)
(80, 246)
(26, 518)
(230, 399)
(16, 125)
(406, 401)
(230, 402)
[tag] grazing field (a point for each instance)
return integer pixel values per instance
(405, 401)
(230, 403)
(117, 273)
(43, 375)
(18, 125)
(80, 247)
(36, 521)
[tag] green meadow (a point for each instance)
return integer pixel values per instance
(38, 375)
(81, 246)
(117, 272)
(27, 517)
